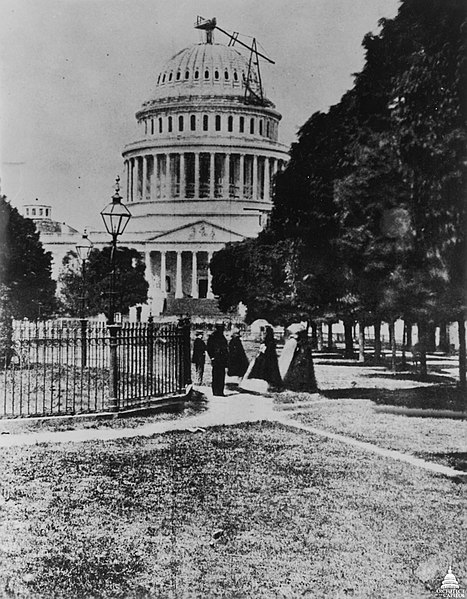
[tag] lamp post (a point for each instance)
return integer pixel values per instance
(83, 249)
(115, 216)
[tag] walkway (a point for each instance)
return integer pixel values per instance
(235, 408)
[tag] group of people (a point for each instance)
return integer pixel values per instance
(293, 371)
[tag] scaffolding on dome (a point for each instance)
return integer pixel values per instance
(254, 93)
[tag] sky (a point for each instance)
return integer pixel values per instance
(74, 72)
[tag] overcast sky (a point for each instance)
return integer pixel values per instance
(74, 72)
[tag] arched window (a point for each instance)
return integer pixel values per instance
(261, 126)
(145, 127)
(226, 75)
(47, 212)
(216, 75)
(235, 76)
(187, 74)
(268, 129)
(27, 210)
(160, 125)
(152, 126)
(178, 75)
(196, 74)
(169, 124)
(163, 78)
(33, 211)
(180, 123)
(206, 74)
(158, 79)
(193, 122)
(205, 122)
(252, 125)
(241, 124)
(230, 123)
(218, 122)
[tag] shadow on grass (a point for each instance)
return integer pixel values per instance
(438, 397)
(412, 376)
(456, 460)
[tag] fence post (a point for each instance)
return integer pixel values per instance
(84, 342)
(184, 326)
(113, 400)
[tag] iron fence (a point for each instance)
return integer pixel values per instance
(73, 367)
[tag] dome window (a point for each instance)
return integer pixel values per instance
(193, 122)
(206, 74)
(187, 74)
(196, 74)
(226, 75)
(218, 122)
(216, 75)
(205, 122)
(230, 124)
(170, 77)
(180, 123)
(261, 127)
(163, 78)
(235, 75)
(268, 129)
(169, 124)
(158, 79)
(160, 125)
(241, 124)
(252, 126)
(152, 126)
(178, 75)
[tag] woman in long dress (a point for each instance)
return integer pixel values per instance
(263, 373)
(300, 375)
(238, 362)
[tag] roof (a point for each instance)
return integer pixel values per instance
(203, 70)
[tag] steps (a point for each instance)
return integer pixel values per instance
(190, 306)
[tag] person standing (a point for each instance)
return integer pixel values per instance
(238, 362)
(300, 375)
(265, 366)
(198, 357)
(218, 351)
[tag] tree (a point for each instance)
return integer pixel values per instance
(131, 287)
(25, 267)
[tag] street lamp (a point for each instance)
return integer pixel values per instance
(115, 216)
(83, 250)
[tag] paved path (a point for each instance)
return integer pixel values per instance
(234, 408)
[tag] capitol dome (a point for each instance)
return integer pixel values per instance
(200, 170)
(204, 70)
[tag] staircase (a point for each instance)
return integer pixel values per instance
(190, 306)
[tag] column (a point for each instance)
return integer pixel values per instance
(178, 276)
(226, 190)
(197, 176)
(241, 176)
(132, 180)
(194, 275)
(267, 180)
(144, 178)
(148, 276)
(163, 273)
(182, 175)
(255, 194)
(211, 175)
(209, 294)
(166, 177)
(127, 174)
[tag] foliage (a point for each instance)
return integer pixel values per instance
(25, 268)
(130, 284)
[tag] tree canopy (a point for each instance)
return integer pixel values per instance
(131, 287)
(25, 267)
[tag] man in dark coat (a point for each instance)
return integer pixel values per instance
(238, 362)
(218, 351)
(198, 357)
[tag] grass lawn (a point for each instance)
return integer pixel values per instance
(252, 511)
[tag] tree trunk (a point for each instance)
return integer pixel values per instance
(314, 337)
(330, 346)
(408, 334)
(378, 340)
(319, 336)
(443, 337)
(462, 353)
(431, 338)
(348, 330)
(361, 342)
(422, 344)
(392, 341)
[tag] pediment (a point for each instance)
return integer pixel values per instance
(198, 232)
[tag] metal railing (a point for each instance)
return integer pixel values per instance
(77, 367)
